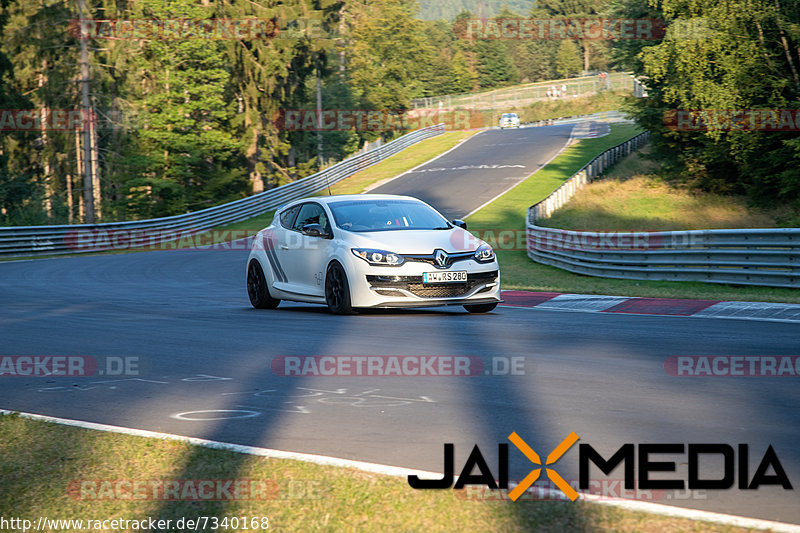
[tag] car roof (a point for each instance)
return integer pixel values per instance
(349, 197)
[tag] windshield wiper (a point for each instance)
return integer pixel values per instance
(444, 227)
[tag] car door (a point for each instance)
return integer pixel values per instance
(278, 247)
(306, 257)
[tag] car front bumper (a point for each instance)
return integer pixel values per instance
(403, 286)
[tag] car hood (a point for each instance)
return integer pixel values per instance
(415, 241)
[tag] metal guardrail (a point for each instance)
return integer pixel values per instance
(20, 241)
(603, 116)
(769, 257)
(529, 92)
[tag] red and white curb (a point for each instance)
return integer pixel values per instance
(396, 471)
(554, 301)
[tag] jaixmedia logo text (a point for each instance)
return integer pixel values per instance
(735, 461)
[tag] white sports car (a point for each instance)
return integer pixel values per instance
(509, 120)
(370, 250)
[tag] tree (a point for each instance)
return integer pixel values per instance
(382, 73)
(270, 74)
(184, 142)
(495, 68)
(16, 186)
(568, 59)
(727, 55)
(186, 123)
(43, 64)
(577, 9)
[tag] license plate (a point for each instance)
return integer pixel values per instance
(444, 277)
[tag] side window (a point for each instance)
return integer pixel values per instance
(323, 221)
(311, 214)
(288, 216)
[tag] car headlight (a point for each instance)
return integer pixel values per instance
(484, 254)
(378, 257)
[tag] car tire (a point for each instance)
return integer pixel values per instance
(480, 308)
(257, 289)
(337, 290)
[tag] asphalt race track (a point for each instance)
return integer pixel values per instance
(203, 359)
(481, 168)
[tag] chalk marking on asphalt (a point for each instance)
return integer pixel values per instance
(302, 409)
(248, 392)
(335, 397)
(186, 415)
(467, 167)
(96, 384)
(397, 471)
(420, 399)
(205, 377)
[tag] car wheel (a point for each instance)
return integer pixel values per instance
(480, 308)
(337, 290)
(257, 288)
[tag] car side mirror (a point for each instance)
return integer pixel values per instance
(315, 230)
(460, 223)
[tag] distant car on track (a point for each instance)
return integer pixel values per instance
(509, 120)
(370, 251)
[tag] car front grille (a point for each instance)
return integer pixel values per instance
(431, 258)
(440, 290)
(413, 284)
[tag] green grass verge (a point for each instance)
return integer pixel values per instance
(44, 466)
(584, 105)
(630, 198)
(508, 214)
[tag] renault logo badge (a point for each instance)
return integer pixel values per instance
(441, 258)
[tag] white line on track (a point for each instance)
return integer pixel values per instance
(384, 182)
(396, 471)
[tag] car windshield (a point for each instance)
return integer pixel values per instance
(386, 215)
